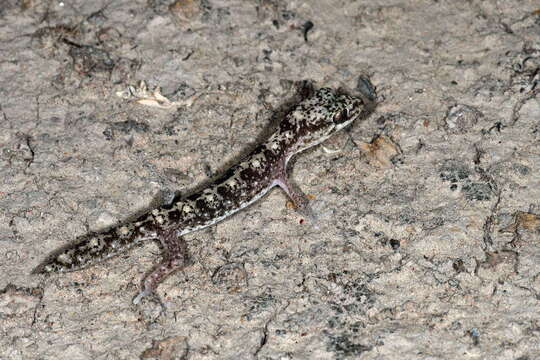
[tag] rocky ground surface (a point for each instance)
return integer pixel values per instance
(427, 245)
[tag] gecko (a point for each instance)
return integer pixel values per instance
(316, 118)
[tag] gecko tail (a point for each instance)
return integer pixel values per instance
(91, 249)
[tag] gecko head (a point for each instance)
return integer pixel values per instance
(319, 117)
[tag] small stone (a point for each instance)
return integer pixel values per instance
(461, 118)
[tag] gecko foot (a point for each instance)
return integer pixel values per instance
(300, 201)
(175, 257)
(307, 211)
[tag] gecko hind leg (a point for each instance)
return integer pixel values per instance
(175, 257)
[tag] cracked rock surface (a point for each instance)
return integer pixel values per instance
(428, 245)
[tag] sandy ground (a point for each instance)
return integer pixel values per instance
(428, 239)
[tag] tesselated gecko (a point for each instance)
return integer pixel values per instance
(311, 122)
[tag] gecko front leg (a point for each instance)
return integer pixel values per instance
(175, 257)
(300, 201)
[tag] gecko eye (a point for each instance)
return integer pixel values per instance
(342, 116)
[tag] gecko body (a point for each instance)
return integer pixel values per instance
(311, 122)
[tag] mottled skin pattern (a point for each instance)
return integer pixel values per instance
(311, 122)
